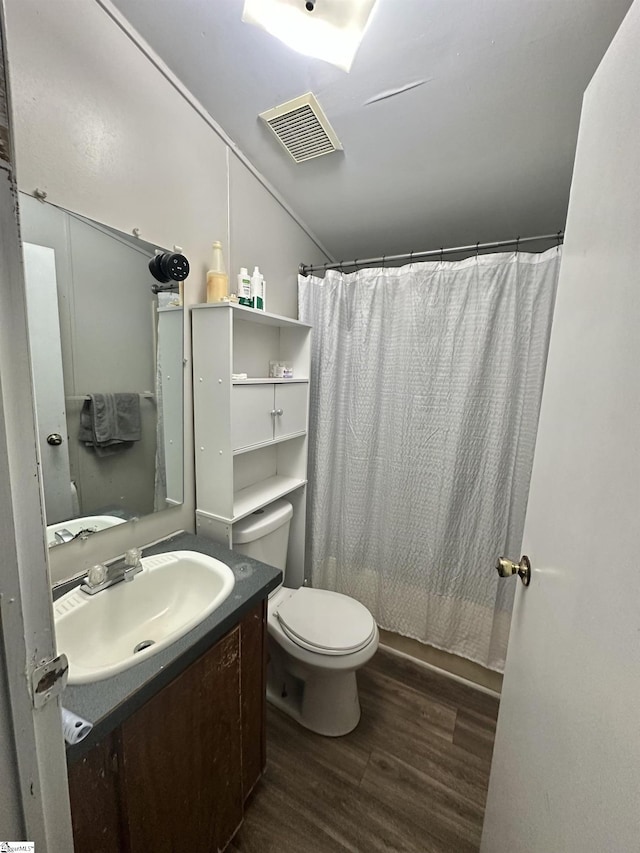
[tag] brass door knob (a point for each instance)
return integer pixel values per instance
(506, 569)
(54, 439)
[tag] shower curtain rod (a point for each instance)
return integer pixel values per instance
(305, 269)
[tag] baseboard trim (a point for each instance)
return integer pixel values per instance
(483, 688)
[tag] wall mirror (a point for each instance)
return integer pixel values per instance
(107, 366)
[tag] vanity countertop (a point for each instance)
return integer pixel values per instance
(107, 703)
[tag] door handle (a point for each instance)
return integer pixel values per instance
(506, 569)
(275, 412)
(54, 439)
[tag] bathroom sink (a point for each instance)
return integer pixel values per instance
(90, 523)
(108, 632)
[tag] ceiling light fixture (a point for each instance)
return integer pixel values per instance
(325, 29)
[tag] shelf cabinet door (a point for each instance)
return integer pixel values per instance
(251, 419)
(292, 401)
(181, 757)
(96, 803)
(253, 674)
(262, 413)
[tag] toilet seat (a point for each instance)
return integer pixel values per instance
(325, 622)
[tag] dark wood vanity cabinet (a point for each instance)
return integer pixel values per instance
(94, 793)
(175, 775)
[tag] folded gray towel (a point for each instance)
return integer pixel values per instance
(110, 422)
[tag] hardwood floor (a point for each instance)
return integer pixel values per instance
(412, 777)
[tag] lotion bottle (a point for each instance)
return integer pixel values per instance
(217, 279)
(257, 300)
(244, 288)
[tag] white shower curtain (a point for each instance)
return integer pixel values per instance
(425, 393)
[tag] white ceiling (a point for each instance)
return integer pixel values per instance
(481, 150)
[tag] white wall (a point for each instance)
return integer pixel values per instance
(105, 132)
(261, 233)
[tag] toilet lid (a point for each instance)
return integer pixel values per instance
(326, 622)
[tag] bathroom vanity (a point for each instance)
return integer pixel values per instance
(179, 739)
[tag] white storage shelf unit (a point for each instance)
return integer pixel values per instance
(250, 434)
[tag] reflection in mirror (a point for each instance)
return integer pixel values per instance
(107, 372)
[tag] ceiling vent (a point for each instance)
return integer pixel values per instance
(302, 128)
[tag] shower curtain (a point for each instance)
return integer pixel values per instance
(425, 394)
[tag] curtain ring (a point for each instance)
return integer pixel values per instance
(441, 254)
(517, 245)
(342, 267)
(383, 257)
(558, 238)
(410, 257)
(355, 263)
(477, 249)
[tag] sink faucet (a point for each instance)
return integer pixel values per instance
(101, 577)
(62, 536)
(65, 535)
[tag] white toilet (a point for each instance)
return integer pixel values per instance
(317, 639)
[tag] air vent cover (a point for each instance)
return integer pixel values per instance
(302, 128)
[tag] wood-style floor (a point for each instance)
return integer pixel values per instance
(412, 777)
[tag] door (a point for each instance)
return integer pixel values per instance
(34, 804)
(48, 383)
(566, 768)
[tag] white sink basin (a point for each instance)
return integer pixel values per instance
(170, 596)
(87, 522)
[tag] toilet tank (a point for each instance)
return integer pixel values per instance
(264, 535)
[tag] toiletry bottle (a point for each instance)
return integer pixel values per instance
(244, 288)
(263, 292)
(217, 281)
(256, 290)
